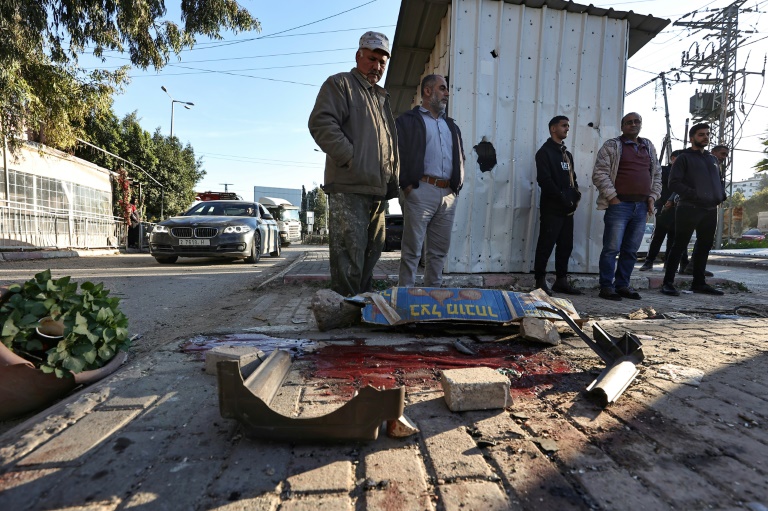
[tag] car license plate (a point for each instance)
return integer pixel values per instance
(193, 242)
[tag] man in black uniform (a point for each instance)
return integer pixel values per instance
(665, 220)
(695, 177)
(559, 199)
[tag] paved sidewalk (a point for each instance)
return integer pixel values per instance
(151, 436)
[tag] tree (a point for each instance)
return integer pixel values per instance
(178, 171)
(754, 205)
(763, 184)
(41, 85)
(762, 165)
(163, 158)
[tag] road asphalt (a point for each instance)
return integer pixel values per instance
(689, 433)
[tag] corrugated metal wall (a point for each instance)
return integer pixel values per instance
(547, 62)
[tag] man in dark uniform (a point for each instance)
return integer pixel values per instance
(695, 177)
(665, 219)
(559, 199)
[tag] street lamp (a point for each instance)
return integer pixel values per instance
(186, 104)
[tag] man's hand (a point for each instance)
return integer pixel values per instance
(614, 201)
(668, 204)
(651, 202)
(407, 190)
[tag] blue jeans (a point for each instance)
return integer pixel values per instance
(624, 229)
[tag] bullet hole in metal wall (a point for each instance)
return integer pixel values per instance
(486, 155)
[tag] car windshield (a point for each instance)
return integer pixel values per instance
(221, 209)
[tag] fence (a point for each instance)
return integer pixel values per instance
(25, 228)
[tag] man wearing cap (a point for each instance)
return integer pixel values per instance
(431, 175)
(352, 123)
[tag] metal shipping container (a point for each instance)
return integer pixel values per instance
(512, 67)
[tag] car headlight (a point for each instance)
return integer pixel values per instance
(240, 229)
(160, 228)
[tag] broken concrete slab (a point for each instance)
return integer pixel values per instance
(539, 330)
(476, 388)
(644, 313)
(680, 374)
(401, 428)
(248, 357)
(331, 311)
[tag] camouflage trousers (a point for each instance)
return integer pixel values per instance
(355, 239)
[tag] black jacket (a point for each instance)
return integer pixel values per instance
(695, 177)
(558, 195)
(666, 193)
(412, 142)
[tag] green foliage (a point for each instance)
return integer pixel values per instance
(752, 206)
(94, 328)
(317, 201)
(41, 84)
(762, 165)
(747, 244)
(164, 158)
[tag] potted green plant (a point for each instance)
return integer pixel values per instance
(41, 364)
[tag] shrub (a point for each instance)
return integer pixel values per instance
(94, 328)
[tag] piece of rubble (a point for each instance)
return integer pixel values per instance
(547, 444)
(644, 313)
(680, 374)
(248, 357)
(463, 348)
(331, 311)
(539, 330)
(401, 427)
(476, 388)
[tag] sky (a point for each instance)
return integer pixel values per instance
(253, 92)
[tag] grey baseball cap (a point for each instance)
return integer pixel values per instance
(375, 41)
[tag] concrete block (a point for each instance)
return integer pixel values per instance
(477, 388)
(248, 356)
(539, 330)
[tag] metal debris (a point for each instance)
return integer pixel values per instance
(463, 348)
(248, 401)
(621, 355)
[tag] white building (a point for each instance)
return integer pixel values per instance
(512, 65)
(50, 199)
(748, 187)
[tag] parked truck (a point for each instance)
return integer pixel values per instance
(287, 216)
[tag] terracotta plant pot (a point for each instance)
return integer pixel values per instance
(23, 388)
(50, 329)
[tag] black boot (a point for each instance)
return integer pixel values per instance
(563, 286)
(647, 265)
(541, 283)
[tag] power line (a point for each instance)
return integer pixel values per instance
(291, 29)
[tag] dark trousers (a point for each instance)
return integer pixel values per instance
(664, 228)
(554, 230)
(687, 220)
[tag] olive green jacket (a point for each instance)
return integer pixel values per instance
(347, 125)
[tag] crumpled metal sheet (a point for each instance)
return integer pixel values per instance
(248, 401)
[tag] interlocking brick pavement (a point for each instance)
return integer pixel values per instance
(161, 444)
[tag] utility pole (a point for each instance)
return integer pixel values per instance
(715, 69)
(226, 186)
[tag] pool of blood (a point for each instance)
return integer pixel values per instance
(531, 369)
